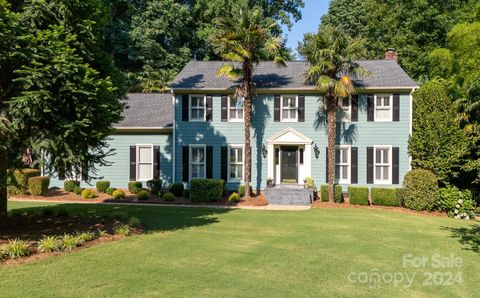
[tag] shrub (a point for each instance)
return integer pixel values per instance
(70, 185)
(206, 189)
(118, 194)
(241, 191)
(49, 244)
(78, 190)
(456, 203)
(122, 230)
(143, 194)
(234, 197)
(110, 190)
(69, 242)
(154, 185)
(177, 189)
(134, 186)
(420, 190)
(309, 183)
(338, 195)
(168, 196)
(134, 222)
(102, 185)
(16, 249)
(88, 193)
(384, 196)
(17, 182)
(85, 237)
(38, 186)
(358, 195)
(186, 194)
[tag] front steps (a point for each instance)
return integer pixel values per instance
(292, 195)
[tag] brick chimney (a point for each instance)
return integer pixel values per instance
(391, 54)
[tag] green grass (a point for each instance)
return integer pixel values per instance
(217, 252)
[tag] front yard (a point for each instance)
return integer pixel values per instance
(222, 252)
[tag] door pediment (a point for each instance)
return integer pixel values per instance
(289, 136)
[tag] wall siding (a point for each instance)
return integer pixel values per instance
(361, 134)
(118, 173)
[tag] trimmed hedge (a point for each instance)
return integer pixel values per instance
(134, 186)
(154, 185)
(102, 185)
(70, 185)
(338, 196)
(88, 193)
(143, 194)
(17, 182)
(110, 190)
(384, 196)
(176, 189)
(358, 195)
(118, 194)
(168, 196)
(420, 190)
(206, 189)
(78, 190)
(38, 186)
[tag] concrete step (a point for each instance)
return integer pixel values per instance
(292, 196)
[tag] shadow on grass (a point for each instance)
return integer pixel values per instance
(469, 237)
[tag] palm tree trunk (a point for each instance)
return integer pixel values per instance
(331, 132)
(3, 186)
(247, 110)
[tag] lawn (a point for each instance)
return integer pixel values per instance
(219, 252)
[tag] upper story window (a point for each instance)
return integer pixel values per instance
(197, 162)
(235, 109)
(145, 162)
(342, 164)
(383, 165)
(289, 110)
(383, 107)
(346, 109)
(235, 164)
(197, 108)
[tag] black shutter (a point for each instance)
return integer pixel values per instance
(276, 106)
(354, 105)
(301, 108)
(209, 161)
(395, 160)
(251, 165)
(369, 165)
(396, 107)
(185, 107)
(354, 165)
(133, 163)
(277, 156)
(224, 108)
(156, 162)
(224, 167)
(370, 108)
(61, 174)
(326, 164)
(209, 108)
(301, 156)
(186, 163)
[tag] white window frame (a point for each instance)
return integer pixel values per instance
(236, 146)
(390, 165)
(190, 150)
(228, 114)
(281, 108)
(137, 158)
(73, 176)
(349, 163)
(204, 119)
(347, 117)
(390, 118)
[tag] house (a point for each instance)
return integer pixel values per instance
(198, 130)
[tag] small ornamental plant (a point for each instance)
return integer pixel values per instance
(118, 194)
(234, 197)
(88, 194)
(463, 210)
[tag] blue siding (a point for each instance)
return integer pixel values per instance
(361, 134)
(118, 173)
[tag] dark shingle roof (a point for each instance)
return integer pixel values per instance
(201, 75)
(147, 110)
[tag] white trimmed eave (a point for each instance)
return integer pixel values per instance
(307, 89)
(143, 129)
(289, 136)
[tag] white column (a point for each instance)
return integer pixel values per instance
(271, 161)
(307, 160)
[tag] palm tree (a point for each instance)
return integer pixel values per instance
(244, 42)
(331, 53)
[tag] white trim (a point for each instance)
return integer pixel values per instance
(304, 140)
(143, 129)
(137, 158)
(382, 182)
(228, 111)
(190, 160)
(236, 146)
(410, 131)
(174, 140)
(204, 108)
(349, 157)
(390, 109)
(281, 108)
(303, 89)
(348, 114)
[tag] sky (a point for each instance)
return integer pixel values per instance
(311, 14)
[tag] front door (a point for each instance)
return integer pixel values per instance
(289, 164)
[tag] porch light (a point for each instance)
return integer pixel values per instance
(264, 151)
(316, 150)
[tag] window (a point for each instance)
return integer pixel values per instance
(346, 110)
(197, 108)
(235, 163)
(383, 165)
(289, 109)
(235, 109)
(145, 162)
(197, 162)
(342, 164)
(383, 107)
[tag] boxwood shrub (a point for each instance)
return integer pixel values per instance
(206, 189)
(134, 186)
(78, 190)
(234, 197)
(69, 185)
(102, 185)
(384, 196)
(88, 193)
(118, 194)
(17, 182)
(143, 194)
(168, 196)
(110, 190)
(176, 188)
(358, 195)
(154, 185)
(38, 186)
(420, 190)
(338, 196)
